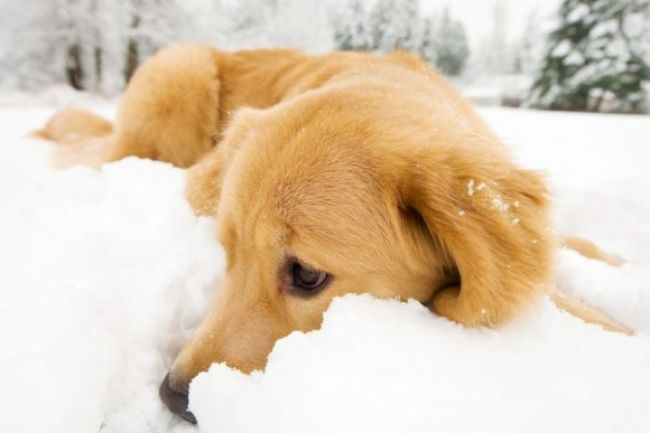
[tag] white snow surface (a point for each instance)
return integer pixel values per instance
(106, 272)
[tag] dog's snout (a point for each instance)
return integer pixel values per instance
(175, 396)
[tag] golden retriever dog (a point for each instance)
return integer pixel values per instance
(332, 174)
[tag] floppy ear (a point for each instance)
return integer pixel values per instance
(492, 219)
(204, 178)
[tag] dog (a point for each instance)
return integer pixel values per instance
(332, 174)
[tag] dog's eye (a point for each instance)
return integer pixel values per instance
(307, 279)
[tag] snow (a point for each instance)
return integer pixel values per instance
(562, 49)
(106, 273)
(579, 13)
(574, 59)
(387, 367)
(470, 187)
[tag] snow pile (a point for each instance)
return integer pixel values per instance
(380, 366)
(106, 273)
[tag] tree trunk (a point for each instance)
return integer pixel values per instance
(132, 51)
(98, 66)
(73, 69)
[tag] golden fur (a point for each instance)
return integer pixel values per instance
(371, 168)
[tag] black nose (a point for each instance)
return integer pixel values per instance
(174, 395)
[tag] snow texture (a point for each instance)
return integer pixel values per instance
(105, 274)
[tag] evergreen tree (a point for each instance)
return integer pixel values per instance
(529, 52)
(396, 24)
(352, 29)
(593, 62)
(451, 46)
(246, 24)
(428, 46)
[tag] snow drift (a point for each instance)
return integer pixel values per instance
(388, 367)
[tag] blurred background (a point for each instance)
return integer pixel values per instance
(575, 55)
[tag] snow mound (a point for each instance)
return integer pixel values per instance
(378, 366)
(104, 276)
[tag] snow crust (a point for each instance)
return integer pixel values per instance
(106, 273)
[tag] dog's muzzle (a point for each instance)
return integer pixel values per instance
(175, 398)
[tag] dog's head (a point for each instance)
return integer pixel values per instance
(336, 193)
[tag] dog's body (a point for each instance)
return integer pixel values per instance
(351, 172)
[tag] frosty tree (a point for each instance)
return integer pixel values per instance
(396, 24)
(428, 46)
(152, 24)
(597, 58)
(450, 44)
(89, 44)
(96, 45)
(529, 51)
(352, 30)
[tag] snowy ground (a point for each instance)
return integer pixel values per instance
(105, 273)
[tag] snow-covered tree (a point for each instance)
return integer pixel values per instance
(391, 25)
(152, 24)
(450, 44)
(301, 24)
(89, 44)
(529, 51)
(243, 24)
(597, 58)
(352, 29)
(396, 24)
(428, 47)
(96, 45)
(28, 42)
(495, 53)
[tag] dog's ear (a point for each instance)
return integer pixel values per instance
(204, 178)
(491, 218)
